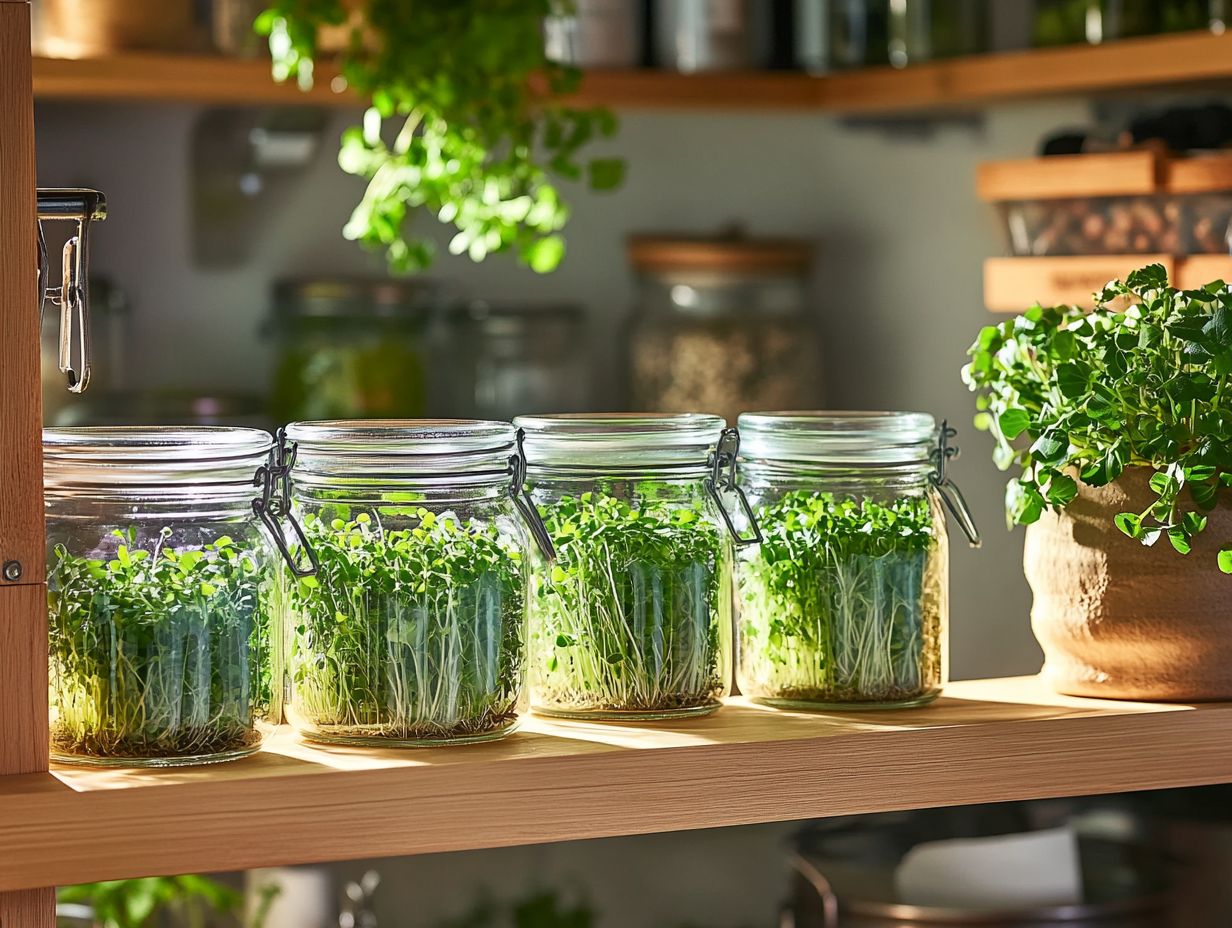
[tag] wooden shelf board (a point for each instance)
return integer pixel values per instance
(983, 741)
(1130, 64)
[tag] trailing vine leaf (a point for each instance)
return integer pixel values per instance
(1066, 392)
(477, 130)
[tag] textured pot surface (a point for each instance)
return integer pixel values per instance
(1120, 620)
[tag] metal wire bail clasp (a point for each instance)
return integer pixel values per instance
(81, 206)
(722, 478)
(521, 499)
(274, 504)
(952, 498)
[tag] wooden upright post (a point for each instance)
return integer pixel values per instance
(23, 596)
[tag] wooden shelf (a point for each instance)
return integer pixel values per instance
(1012, 285)
(984, 741)
(1132, 64)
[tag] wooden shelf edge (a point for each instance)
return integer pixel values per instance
(170, 78)
(984, 741)
(980, 79)
(1013, 285)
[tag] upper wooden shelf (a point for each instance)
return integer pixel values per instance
(984, 741)
(1131, 64)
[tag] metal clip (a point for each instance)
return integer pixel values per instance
(951, 496)
(274, 504)
(521, 499)
(723, 478)
(80, 206)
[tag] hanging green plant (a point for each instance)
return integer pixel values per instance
(482, 129)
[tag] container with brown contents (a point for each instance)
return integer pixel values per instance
(722, 327)
(1173, 225)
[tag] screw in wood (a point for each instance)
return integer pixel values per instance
(12, 571)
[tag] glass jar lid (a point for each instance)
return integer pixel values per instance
(619, 440)
(168, 458)
(845, 439)
(392, 450)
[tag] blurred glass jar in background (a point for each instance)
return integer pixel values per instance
(712, 35)
(350, 348)
(857, 33)
(519, 359)
(722, 326)
(595, 34)
(926, 30)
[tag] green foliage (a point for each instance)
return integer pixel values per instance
(158, 652)
(842, 601)
(410, 634)
(1067, 394)
(136, 903)
(633, 615)
(481, 129)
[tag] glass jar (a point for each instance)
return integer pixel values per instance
(722, 326)
(712, 35)
(595, 34)
(633, 620)
(161, 588)
(858, 33)
(350, 347)
(1064, 22)
(519, 359)
(926, 30)
(413, 630)
(844, 604)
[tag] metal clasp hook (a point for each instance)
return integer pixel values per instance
(722, 479)
(951, 496)
(274, 504)
(521, 499)
(81, 206)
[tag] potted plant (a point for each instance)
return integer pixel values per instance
(479, 126)
(1118, 425)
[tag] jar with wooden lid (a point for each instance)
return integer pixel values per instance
(722, 326)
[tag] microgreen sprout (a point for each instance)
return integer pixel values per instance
(409, 634)
(158, 651)
(842, 601)
(634, 615)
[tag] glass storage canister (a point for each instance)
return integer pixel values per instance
(633, 620)
(412, 633)
(722, 326)
(519, 359)
(693, 36)
(162, 589)
(926, 30)
(595, 33)
(350, 347)
(844, 604)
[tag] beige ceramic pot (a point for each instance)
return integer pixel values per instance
(1120, 620)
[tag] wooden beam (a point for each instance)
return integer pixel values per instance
(23, 597)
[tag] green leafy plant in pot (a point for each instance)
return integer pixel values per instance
(1118, 426)
(479, 125)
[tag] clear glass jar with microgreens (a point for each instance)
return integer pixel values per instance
(844, 603)
(162, 587)
(633, 619)
(413, 631)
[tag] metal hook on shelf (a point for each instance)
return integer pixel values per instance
(80, 206)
